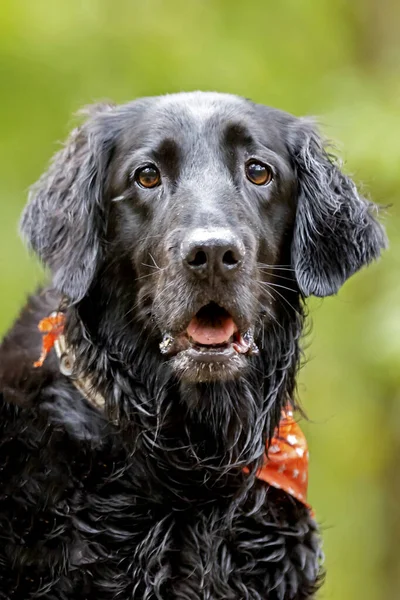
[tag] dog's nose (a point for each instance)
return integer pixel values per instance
(208, 252)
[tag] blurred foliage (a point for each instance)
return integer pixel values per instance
(332, 58)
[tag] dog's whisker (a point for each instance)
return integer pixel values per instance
(275, 267)
(155, 264)
(275, 276)
(147, 274)
(153, 267)
(265, 286)
(273, 284)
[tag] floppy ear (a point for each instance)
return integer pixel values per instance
(336, 231)
(65, 218)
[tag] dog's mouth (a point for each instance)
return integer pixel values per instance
(211, 336)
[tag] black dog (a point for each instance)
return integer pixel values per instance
(182, 234)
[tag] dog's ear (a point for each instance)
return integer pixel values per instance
(336, 231)
(65, 218)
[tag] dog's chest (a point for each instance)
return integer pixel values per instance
(103, 524)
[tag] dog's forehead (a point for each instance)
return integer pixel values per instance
(202, 111)
(199, 116)
(199, 107)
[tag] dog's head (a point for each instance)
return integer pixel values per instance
(213, 212)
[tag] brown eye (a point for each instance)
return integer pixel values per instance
(148, 177)
(258, 173)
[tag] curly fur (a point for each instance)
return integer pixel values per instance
(150, 500)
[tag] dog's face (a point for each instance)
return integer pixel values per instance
(203, 194)
(221, 210)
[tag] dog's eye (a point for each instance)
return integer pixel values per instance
(148, 177)
(258, 173)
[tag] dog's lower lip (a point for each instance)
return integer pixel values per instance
(208, 355)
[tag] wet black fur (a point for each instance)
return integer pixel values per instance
(158, 505)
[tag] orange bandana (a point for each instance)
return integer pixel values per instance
(286, 459)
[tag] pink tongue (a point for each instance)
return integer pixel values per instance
(207, 334)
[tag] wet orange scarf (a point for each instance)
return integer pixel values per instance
(286, 459)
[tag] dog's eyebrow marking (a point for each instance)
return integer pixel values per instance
(235, 135)
(167, 149)
(167, 153)
(238, 134)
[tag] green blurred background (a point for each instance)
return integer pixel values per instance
(336, 59)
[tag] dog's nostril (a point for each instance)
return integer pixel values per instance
(199, 260)
(229, 259)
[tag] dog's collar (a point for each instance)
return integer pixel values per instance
(286, 458)
(52, 328)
